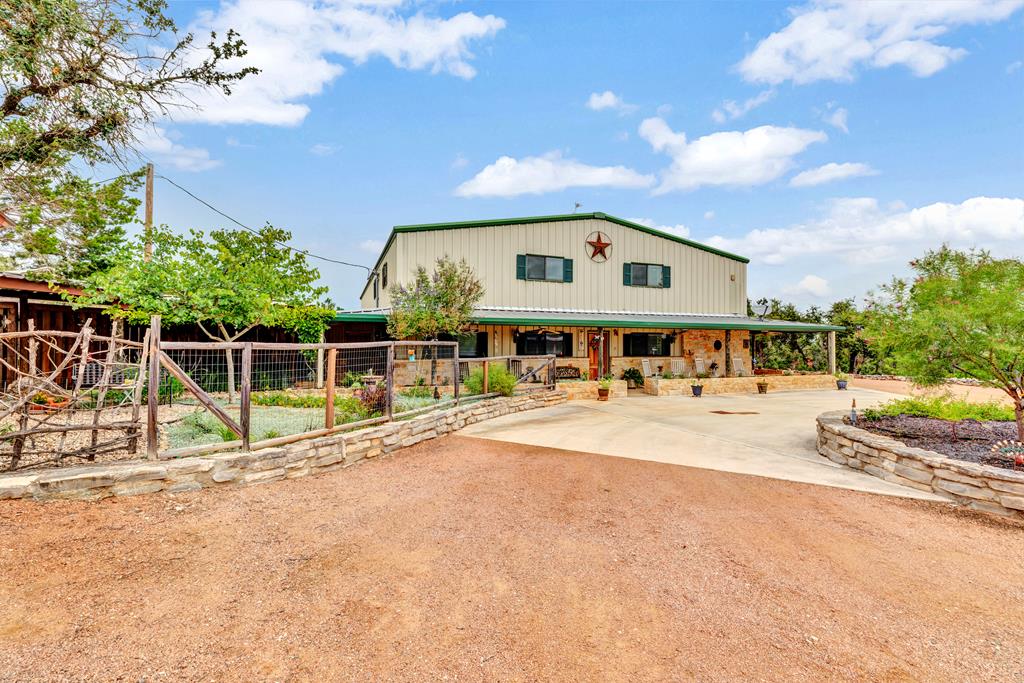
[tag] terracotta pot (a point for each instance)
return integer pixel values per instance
(602, 394)
(762, 387)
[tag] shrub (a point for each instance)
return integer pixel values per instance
(417, 391)
(668, 374)
(352, 378)
(499, 380)
(942, 408)
(373, 400)
(635, 375)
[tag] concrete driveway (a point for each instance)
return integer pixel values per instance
(771, 435)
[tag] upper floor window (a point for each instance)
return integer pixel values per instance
(646, 275)
(545, 268)
(384, 276)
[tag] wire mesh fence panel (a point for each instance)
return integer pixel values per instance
(288, 392)
(184, 420)
(424, 375)
(69, 397)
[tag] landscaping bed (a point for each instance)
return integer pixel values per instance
(967, 440)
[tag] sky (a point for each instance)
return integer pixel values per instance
(830, 143)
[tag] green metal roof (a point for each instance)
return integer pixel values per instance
(499, 316)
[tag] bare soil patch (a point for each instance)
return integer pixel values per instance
(467, 559)
(967, 440)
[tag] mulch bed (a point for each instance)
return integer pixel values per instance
(968, 440)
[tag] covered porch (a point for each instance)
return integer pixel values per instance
(593, 344)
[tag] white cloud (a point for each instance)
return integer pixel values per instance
(509, 177)
(663, 110)
(293, 43)
(859, 230)
(609, 100)
(1014, 67)
(837, 119)
(810, 284)
(159, 144)
(459, 161)
(832, 39)
(322, 149)
(709, 215)
(731, 110)
(678, 229)
(830, 173)
(736, 158)
(371, 246)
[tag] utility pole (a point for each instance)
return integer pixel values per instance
(148, 256)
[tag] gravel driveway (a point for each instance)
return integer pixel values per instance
(469, 559)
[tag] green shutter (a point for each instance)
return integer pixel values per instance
(666, 277)
(567, 270)
(520, 266)
(627, 274)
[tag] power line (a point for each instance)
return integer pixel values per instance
(256, 232)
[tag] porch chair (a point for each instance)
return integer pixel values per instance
(646, 365)
(737, 368)
(698, 366)
(677, 367)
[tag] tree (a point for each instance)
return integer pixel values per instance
(435, 304)
(226, 284)
(81, 79)
(961, 316)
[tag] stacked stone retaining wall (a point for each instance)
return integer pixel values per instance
(300, 459)
(659, 386)
(994, 490)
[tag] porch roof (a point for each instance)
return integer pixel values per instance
(580, 318)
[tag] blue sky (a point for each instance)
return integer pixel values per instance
(828, 142)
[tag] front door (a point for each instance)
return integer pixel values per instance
(594, 346)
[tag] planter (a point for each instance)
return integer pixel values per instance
(602, 394)
(762, 387)
(630, 384)
(697, 389)
(841, 384)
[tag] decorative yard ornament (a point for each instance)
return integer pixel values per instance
(600, 246)
(1010, 450)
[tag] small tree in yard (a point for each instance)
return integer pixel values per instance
(227, 284)
(435, 304)
(963, 316)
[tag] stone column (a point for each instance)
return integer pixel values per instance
(728, 353)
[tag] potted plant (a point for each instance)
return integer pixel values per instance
(604, 387)
(697, 387)
(634, 378)
(841, 379)
(762, 386)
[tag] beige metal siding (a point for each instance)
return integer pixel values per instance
(702, 282)
(391, 259)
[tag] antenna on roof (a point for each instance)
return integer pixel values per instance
(761, 309)
(577, 207)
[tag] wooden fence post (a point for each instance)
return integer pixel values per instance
(152, 432)
(389, 381)
(455, 376)
(332, 372)
(487, 382)
(245, 414)
(320, 364)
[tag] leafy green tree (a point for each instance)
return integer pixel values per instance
(80, 80)
(435, 305)
(226, 283)
(962, 315)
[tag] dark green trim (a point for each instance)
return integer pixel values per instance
(766, 326)
(457, 225)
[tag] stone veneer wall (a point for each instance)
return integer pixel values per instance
(994, 490)
(586, 389)
(658, 386)
(300, 459)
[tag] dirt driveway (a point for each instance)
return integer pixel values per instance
(468, 559)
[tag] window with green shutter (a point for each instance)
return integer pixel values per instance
(543, 268)
(646, 275)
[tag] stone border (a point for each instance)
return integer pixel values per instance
(985, 488)
(300, 459)
(659, 386)
(580, 389)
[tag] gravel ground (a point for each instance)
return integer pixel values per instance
(466, 559)
(967, 440)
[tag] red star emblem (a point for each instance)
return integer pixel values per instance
(600, 246)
